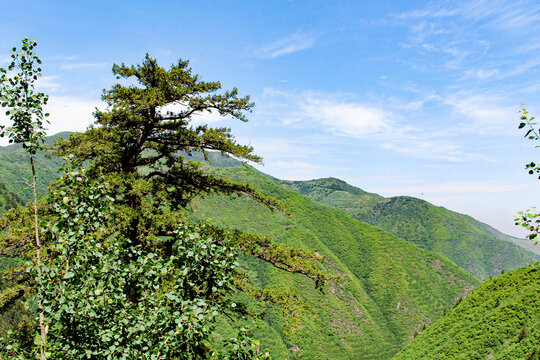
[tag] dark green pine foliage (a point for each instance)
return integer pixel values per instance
(137, 147)
(499, 320)
(476, 247)
(390, 288)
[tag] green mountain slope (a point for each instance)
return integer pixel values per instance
(390, 288)
(475, 246)
(15, 170)
(524, 243)
(8, 199)
(499, 320)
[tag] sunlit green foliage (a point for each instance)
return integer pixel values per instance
(125, 274)
(25, 111)
(499, 320)
(390, 288)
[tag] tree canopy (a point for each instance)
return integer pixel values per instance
(127, 272)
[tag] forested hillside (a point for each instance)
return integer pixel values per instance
(15, 171)
(476, 247)
(8, 199)
(499, 320)
(390, 288)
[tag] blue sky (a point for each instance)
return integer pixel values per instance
(398, 98)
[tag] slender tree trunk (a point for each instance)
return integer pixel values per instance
(42, 327)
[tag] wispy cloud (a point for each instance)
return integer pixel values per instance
(69, 113)
(503, 13)
(298, 170)
(349, 119)
(71, 66)
(475, 41)
(287, 45)
(48, 83)
(485, 111)
(383, 125)
(426, 13)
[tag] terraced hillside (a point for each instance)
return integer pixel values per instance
(477, 247)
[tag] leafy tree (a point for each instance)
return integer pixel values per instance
(128, 275)
(140, 143)
(530, 218)
(18, 93)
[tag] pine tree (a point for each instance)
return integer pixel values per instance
(128, 273)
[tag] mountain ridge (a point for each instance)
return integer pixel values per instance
(475, 246)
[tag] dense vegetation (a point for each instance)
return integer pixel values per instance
(116, 268)
(476, 247)
(139, 250)
(390, 288)
(499, 320)
(8, 199)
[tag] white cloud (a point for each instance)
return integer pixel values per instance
(69, 114)
(383, 124)
(481, 74)
(349, 119)
(281, 147)
(427, 13)
(48, 83)
(66, 114)
(286, 45)
(71, 66)
(297, 170)
(504, 14)
(487, 111)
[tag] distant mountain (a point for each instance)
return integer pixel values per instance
(475, 246)
(499, 320)
(15, 170)
(390, 287)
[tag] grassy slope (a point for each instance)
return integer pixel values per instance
(476, 247)
(487, 324)
(390, 288)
